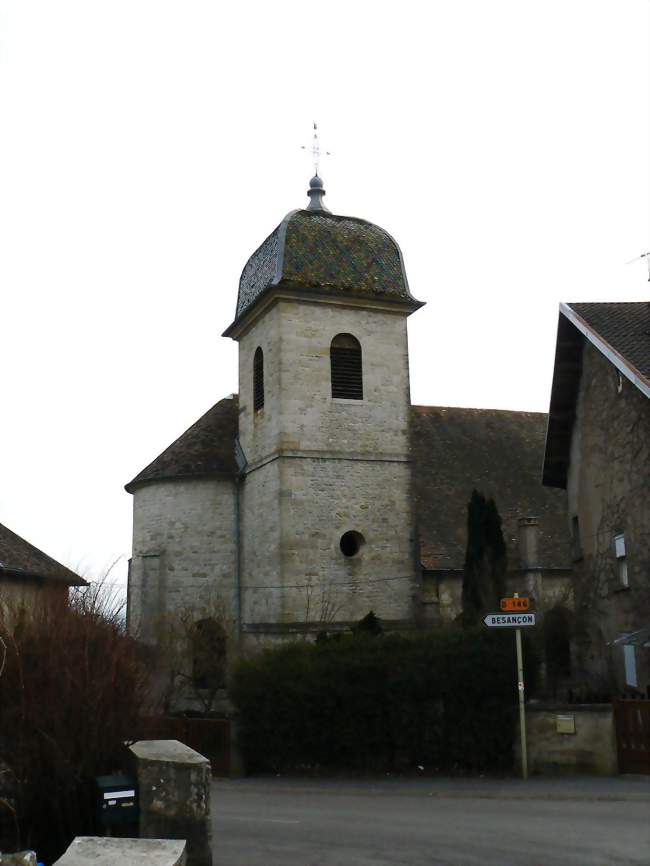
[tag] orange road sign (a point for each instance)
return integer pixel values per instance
(514, 604)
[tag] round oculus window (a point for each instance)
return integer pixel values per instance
(351, 543)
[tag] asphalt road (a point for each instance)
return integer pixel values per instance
(435, 822)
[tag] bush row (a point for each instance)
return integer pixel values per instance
(442, 700)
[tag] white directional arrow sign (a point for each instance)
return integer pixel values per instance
(509, 620)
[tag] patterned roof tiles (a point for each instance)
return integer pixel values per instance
(321, 252)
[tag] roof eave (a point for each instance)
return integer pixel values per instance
(562, 415)
(619, 361)
(294, 292)
(137, 483)
(22, 573)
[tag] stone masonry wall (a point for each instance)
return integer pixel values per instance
(183, 551)
(262, 595)
(589, 747)
(319, 467)
(609, 491)
(299, 413)
(294, 569)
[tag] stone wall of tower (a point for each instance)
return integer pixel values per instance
(299, 412)
(319, 467)
(183, 552)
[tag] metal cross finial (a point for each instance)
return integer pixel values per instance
(315, 150)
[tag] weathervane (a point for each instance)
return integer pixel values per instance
(314, 149)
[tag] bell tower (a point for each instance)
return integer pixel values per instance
(327, 524)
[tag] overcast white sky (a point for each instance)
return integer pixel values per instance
(147, 147)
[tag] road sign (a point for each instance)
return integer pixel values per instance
(509, 620)
(514, 603)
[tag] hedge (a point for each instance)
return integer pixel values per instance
(443, 700)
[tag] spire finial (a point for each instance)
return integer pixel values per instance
(316, 190)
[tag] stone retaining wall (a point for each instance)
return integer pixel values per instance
(570, 738)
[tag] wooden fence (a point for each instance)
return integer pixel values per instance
(633, 735)
(209, 737)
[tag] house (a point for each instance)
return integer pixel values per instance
(28, 576)
(319, 493)
(598, 451)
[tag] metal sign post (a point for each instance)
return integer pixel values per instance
(514, 617)
(522, 709)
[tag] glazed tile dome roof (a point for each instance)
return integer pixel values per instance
(316, 251)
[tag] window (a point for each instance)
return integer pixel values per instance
(621, 559)
(351, 543)
(258, 380)
(345, 363)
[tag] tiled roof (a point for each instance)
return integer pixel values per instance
(625, 326)
(316, 251)
(500, 454)
(20, 558)
(621, 332)
(206, 449)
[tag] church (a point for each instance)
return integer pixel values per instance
(319, 493)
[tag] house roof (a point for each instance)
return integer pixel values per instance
(455, 451)
(497, 452)
(623, 328)
(621, 332)
(315, 251)
(19, 558)
(206, 449)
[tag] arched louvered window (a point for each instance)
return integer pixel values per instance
(258, 380)
(345, 362)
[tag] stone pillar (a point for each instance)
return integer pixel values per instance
(174, 794)
(20, 858)
(101, 851)
(529, 555)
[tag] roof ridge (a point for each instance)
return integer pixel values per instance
(422, 406)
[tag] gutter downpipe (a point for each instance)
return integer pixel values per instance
(240, 459)
(238, 604)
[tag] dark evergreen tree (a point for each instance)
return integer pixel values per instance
(485, 559)
(370, 625)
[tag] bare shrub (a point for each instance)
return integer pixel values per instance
(71, 694)
(196, 647)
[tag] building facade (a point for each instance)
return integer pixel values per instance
(598, 451)
(29, 577)
(319, 493)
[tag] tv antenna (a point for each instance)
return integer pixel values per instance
(645, 256)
